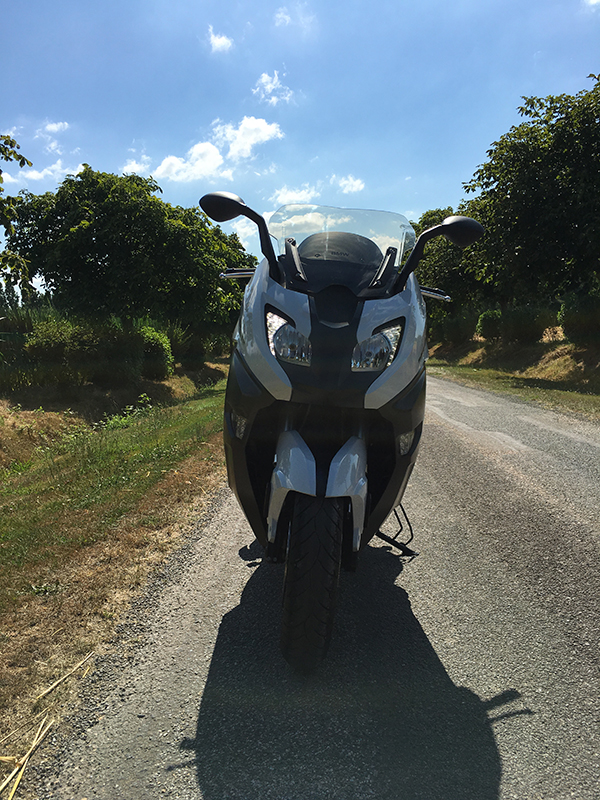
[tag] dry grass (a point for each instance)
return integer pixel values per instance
(552, 372)
(69, 604)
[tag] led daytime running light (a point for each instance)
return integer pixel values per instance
(286, 343)
(378, 351)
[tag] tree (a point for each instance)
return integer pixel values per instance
(105, 244)
(13, 269)
(539, 199)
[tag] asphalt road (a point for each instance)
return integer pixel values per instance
(471, 674)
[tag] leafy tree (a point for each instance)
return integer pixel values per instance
(13, 269)
(539, 199)
(105, 244)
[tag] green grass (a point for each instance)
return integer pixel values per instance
(70, 493)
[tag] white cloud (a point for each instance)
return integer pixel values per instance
(271, 90)
(202, 161)
(305, 194)
(249, 133)
(56, 127)
(349, 184)
(282, 16)
(48, 132)
(208, 159)
(246, 231)
(592, 2)
(141, 167)
(56, 171)
(298, 15)
(218, 42)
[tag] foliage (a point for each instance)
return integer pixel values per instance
(105, 244)
(580, 318)
(489, 324)
(458, 328)
(523, 324)
(62, 350)
(441, 265)
(13, 268)
(179, 339)
(539, 199)
(526, 324)
(158, 359)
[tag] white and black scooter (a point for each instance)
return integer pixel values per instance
(326, 394)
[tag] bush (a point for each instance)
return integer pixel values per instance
(61, 350)
(526, 324)
(579, 317)
(117, 358)
(489, 325)
(195, 355)
(48, 347)
(180, 338)
(459, 328)
(158, 357)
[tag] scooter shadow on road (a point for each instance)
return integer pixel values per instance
(381, 718)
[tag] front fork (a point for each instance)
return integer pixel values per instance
(296, 471)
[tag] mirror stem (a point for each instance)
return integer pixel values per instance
(415, 256)
(266, 245)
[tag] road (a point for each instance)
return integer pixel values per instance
(471, 674)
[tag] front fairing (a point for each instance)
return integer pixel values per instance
(329, 380)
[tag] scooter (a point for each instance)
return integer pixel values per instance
(326, 394)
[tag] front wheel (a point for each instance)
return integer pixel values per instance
(312, 572)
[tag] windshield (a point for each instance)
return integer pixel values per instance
(383, 228)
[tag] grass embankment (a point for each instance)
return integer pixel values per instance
(89, 503)
(554, 373)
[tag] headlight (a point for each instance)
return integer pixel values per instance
(286, 343)
(378, 351)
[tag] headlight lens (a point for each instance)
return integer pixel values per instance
(378, 351)
(286, 343)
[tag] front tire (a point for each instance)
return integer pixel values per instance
(312, 573)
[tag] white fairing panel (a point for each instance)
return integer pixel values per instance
(412, 353)
(348, 478)
(295, 471)
(251, 332)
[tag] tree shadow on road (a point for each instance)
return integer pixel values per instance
(380, 719)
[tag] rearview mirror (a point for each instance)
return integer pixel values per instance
(225, 206)
(462, 231)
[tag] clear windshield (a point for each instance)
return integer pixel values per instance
(384, 228)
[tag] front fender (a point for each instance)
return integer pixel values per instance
(295, 471)
(348, 478)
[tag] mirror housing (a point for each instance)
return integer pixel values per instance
(462, 231)
(222, 206)
(225, 206)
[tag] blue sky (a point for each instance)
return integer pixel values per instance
(368, 104)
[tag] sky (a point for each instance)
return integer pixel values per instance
(377, 104)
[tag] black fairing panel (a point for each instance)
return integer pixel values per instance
(388, 470)
(247, 399)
